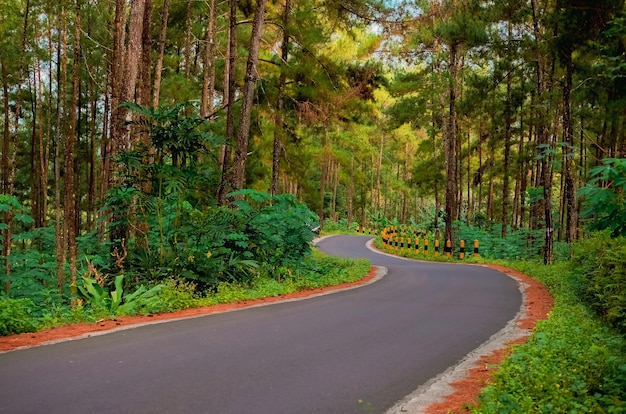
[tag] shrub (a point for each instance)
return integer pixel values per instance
(599, 264)
(17, 316)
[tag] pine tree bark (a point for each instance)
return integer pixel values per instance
(187, 47)
(69, 204)
(568, 155)
(251, 76)
(12, 152)
(280, 100)
(230, 84)
(60, 228)
(161, 55)
(379, 167)
(450, 146)
(508, 115)
(208, 83)
(543, 139)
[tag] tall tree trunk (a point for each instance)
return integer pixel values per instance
(11, 156)
(335, 177)
(144, 93)
(70, 213)
(351, 193)
(450, 145)
(188, 40)
(325, 167)
(379, 167)
(568, 155)
(251, 76)
(508, 115)
(118, 87)
(42, 157)
(543, 139)
(280, 101)
(6, 130)
(60, 228)
(133, 57)
(208, 83)
(161, 55)
(230, 84)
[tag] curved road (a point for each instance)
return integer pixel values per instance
(356, 351)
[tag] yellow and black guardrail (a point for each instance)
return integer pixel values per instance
(403, 238)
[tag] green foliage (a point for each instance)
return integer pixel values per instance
(605, 197)
(219, 244)
(18, 214)
(17, 316)
(572, 363)
(600, 266)
(339, 226)
(114, 302)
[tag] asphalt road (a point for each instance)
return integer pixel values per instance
(357, 351)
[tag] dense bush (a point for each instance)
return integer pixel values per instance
(599, 264)
(17, 316)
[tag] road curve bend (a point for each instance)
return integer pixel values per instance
(355, 351)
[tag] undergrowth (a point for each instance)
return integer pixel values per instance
(573, 362)
(23, 315)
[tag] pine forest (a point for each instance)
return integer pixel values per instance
(156, 153)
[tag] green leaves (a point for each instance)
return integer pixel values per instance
(115, 302)
(16, 316)
(605, 197)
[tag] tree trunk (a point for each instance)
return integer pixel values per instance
(568, 156)
(351, 192)
(335, 187)
(251, 76)
(70, 212)
(379, 166)
(208, 83)
(230, 84)
(325, 161)
(187, 47)
(11, 156)
(508, 115)
(144, 94)
(60, 228)
(159, 63)
(543, 139)
(6, 135)
(450, 146)
(280, 102)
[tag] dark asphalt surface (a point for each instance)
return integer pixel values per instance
(357, 351)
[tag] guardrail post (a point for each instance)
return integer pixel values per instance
(475, 248)
(462, 252)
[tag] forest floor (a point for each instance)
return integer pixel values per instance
(537, 304)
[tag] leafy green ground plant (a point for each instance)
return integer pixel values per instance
(599, 265)
(22, 315)
(17, 316)
(573, 363)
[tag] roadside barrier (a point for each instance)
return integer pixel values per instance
(407, 239)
